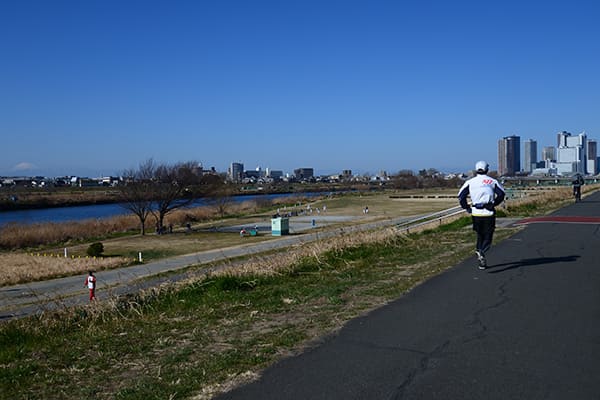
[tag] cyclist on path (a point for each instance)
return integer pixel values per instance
(577, 184)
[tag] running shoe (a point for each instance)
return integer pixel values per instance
(481, 259)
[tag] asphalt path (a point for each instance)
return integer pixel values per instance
(528, 327)
(44, 296)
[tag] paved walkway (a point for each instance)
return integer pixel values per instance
(526, 328)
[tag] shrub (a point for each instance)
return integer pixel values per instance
(95, 249)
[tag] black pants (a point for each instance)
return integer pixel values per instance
(484, 227)
(577, 192)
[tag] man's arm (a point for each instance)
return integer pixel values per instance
(500, 194)
(462, 197)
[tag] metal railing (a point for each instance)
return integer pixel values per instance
(430, 219)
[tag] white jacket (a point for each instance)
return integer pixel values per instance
(486, 193)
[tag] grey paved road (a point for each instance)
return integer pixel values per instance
(526, 328)
(22, 300)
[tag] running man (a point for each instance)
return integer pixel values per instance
(486, 193)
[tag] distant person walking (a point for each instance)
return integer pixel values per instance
(486, 193)
(90, 282)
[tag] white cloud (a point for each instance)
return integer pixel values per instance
(24, 166)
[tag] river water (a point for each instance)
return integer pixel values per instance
(79, 213)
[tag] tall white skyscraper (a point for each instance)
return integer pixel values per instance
(592, 157)
(571, 153)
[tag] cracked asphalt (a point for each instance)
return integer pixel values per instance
(528, 327)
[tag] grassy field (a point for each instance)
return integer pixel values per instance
(44, 263)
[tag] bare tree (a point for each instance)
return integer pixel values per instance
(175, 186)
(159, 189)
(221, 197)
(136, 192)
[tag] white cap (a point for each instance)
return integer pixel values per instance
(481, 166)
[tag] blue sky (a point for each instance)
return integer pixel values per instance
(96, 87)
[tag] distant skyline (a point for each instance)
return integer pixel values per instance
(95, 87)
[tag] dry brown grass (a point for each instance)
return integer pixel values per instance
(273, 264)
(548, 194)
(546, 198)
(15, 236)
(19, 268)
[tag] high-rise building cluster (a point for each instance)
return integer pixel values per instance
(573, 154)
(236, 173)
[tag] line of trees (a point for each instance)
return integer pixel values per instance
(425, 178)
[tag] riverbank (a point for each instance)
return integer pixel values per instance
(23, 198)
(69, 232)
(74, 210)
(15, 199)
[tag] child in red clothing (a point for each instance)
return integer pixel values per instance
(90, 282)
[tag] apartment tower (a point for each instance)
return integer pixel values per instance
(509, 155)
(236, 172)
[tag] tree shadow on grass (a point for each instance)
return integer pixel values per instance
(530, 262)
